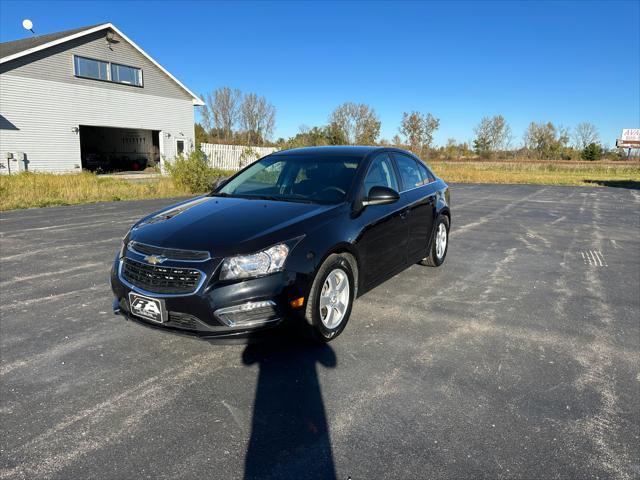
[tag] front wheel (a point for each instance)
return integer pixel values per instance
(331, 298)
(440, 244)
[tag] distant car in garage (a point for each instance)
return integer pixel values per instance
(296, 236)
(101, 163)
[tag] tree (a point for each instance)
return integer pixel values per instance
(500, 133)
(483, 143)
(430, 125)
(546, 140)
(307, 137)
(418, 130)
(205, 113)
(451, 149)
(411, 127)
(257, 118)
(313, 136)
(335, 135)
(492, 135)
(593, 151)
(223, 109)
(357, 123)
(201, 135)
(584, 135)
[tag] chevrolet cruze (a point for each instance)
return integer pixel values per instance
(293, 238)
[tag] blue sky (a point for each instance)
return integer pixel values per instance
(564, 62)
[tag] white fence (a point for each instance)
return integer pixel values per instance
(233, 157)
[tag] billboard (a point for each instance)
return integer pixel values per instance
(630, 135)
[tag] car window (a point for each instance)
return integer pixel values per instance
(262, 180)
(295, 178)
(411, 175)
(427, 176)
(380, 174)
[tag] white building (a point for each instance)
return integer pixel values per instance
(89, 98)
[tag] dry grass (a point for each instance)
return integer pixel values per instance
(45, 189)
(546, 173)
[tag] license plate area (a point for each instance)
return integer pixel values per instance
(148, 308)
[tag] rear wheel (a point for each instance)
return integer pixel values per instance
(440, 244)
(331, 298)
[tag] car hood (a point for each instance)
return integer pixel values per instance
(226, 225)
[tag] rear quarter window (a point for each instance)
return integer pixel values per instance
(427, 174)
(410, 173)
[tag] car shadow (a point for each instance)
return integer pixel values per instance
(630, 184)
(289, 430)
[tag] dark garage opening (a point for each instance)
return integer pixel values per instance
(109, 150)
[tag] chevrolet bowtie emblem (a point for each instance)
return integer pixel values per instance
(155, 259)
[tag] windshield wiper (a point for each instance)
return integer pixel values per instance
(244, 195)
(298, 200)
(261, 197)
(281, 199)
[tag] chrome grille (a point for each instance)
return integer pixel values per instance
(159, 279)
(172, 253)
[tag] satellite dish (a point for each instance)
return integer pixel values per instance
(28, 25)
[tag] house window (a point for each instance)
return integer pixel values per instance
(89, 68)
(180, 147)
(124, 74)
(107, 71)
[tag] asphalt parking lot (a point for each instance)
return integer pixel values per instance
(519, 358)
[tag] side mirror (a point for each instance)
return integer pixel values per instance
(381, 196)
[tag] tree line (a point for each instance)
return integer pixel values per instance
(232, 117)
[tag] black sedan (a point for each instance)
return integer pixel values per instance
(293, 238)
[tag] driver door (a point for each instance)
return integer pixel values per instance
(384, 231)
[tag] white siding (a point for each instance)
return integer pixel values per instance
(56, 63)
(38, 118)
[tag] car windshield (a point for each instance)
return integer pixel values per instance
(294, 178)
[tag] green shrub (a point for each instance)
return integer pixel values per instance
(593, 151)
(193, 174)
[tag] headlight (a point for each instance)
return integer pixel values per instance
(262, 263)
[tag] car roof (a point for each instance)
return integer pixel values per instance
(332, 150)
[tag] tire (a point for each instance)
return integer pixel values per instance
(435, 260)
(334, 285)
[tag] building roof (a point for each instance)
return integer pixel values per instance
(19, 48)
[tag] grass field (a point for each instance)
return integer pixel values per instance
(623, 174)
(45, 189)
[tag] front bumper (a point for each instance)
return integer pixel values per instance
(218, 309)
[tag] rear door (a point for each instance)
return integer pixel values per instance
(418, 193)
(384, 231)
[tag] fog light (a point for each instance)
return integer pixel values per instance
(248, 314)
(297, 303)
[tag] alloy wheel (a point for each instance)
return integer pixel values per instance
(441, 240)
(334, 298)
